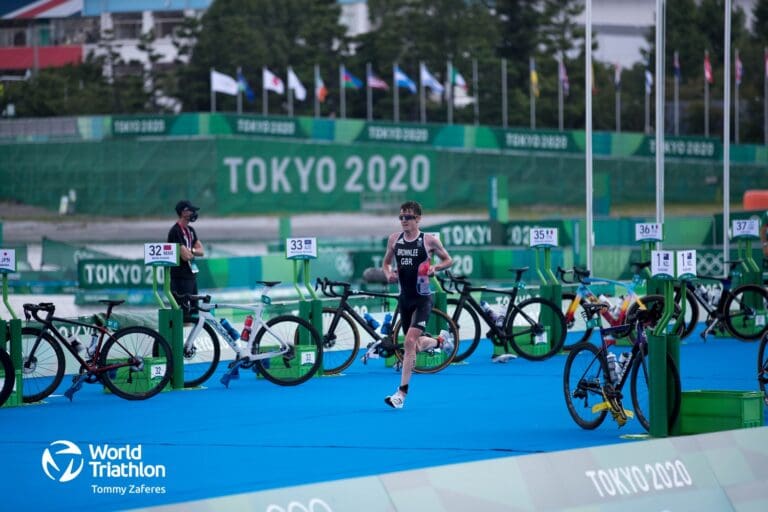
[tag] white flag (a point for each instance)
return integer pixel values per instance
(428, 80)
(272, 82)
(294, 84)
(223, 83)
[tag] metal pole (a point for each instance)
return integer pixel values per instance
(290, 92)
(422, 107)
(504, 93)
(588, 130)
(396, 93)
(264, 98)
(706, 98)
(618, 110)
(239, 93)
(475, 91)
(368, 98)
(342, 95)
(317, 100)
(677, 99)
(661, 6)
(765, 96)
(736, 87)
(560, 94)
(727, 136)
(213, 93)
(531, 94)
(449, 95)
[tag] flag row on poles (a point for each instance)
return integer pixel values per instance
(233, 86)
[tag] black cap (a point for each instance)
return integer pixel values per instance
(185, 204)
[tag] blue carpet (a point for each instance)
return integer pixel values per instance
(256, 435)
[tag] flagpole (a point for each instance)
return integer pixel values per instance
(317, 100)
(342, 95)
(617, 86)
(239, 92)
(504, 93)
(449, 95)
(588, 132)
(396, 95)
(765, 96)
(368, 99)
(677, 95)
(422, 107)
(727, 135)
(661, 14)
(706, 97)
(647, 107)
(474, 90)
(213, 93)
(736, 87)
(264, 99)
(531, 94)
(560, 94)
(289, 91)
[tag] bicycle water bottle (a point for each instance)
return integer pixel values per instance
(386, 327)
(715, 297)
(501, 315)
(371, 321)
(94, 341)
(230, 330)
(247, 328)
(75, 343)
(623, 365)
(611, 358)
(488, 310)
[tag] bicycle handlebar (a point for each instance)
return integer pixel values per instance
(31, 311)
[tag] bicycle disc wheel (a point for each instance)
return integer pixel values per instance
(42, 366)
(574, 321)
(7, 377)
(762, 367)
(201, 355)
(142, 360)
(304, 355)
(339, 347)
(536, 329)
(745, 311)
(432, 360)
(640, 390)
(584, 377)
(691, 312)
(468, 324)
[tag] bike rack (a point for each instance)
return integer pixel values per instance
(303, 250)
(10, 331)
(170, 320)
(542, 240)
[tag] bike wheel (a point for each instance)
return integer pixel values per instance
(8, 376)
(691, 312)
(201, 355)
(654, 304)
(639, 388)
(304, 350)
(745, 310)
(340, 346)
(42, 365)
(585, 375)
(528, 333)
(468, 324)
(141, 363)
(574, 320)
(431, 360)
(762, 367)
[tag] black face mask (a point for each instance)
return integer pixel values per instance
(193, 217)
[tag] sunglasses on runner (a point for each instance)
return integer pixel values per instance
(407, 217)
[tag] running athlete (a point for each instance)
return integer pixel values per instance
(412, 251)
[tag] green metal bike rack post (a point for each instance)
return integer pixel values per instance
(303, 250)
(542, 240)
(170, 321)
(745, 232)
(10, 331)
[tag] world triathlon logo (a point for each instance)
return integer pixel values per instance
(62, 461)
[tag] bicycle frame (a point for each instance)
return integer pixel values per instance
(584, 292)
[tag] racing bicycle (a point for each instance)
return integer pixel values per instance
(286, 350)
(762, 367)
(7, 376)
(341, 333)
(534, 328)
(593, 380)
(134, 362)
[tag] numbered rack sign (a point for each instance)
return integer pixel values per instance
(543, 237)
(301, 248)
(745, 228)
(648, 232)
(663, 264)
(161, 254)
(686, 264)
(7, 261)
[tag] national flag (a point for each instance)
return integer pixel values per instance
(294, 84)
(321, 92)
(708, 69)
(534, 79)
(648, 81)
(676, 67)
(564, 78)
(243, 86)
(223, 83)
(350, 81)
(617, 75)
(272, 82)
(403, 81)
(429, 80)
(739, 70)
(375, 82)
(458, 80)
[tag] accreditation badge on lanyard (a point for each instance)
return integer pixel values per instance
(188, 243)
